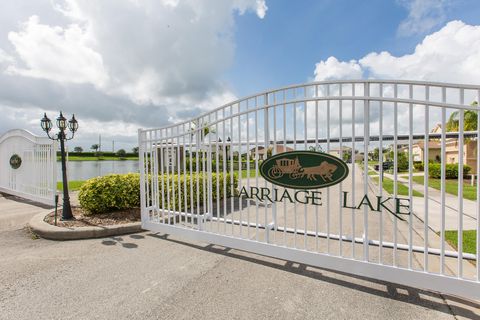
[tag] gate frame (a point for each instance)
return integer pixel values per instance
(439, 282)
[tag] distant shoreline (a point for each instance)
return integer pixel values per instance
(99, 159)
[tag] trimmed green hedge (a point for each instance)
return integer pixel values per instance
(451, 170)
(122, 191)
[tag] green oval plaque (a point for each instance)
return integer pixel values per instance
(304, 170)
(15, 161)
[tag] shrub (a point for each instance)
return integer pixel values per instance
(122, 191)
(186, 183)
(110, 193)
(451, 170)
(418, 165)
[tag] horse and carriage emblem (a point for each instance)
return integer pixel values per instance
(294, 169)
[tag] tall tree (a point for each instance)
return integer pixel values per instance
(78, 149)
(95, 147)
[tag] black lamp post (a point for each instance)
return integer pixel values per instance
(61, 136)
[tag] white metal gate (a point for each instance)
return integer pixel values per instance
(189, 172)
(28, 166)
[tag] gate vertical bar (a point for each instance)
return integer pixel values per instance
(410, 177)
(380, 173)
(141, 150)
(442, 188)
(460, 188)
(295, 148)
(425, 179)
(266, 138)
(274, 204)
(224, 164)
(328, 151)
(395, 168)
(305, 106)
(340, 133)
(353, 171)
(366, 92)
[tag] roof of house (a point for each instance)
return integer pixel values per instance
(431, 144)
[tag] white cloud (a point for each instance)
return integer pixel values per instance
(334, 69)
(132, 63)
(56, 53)
(451, 54)
(423, 16)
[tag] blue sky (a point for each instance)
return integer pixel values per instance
(120, 65)
(283, 47)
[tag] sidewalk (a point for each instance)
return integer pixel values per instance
(435, 208)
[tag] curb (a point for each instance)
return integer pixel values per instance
(48, 231)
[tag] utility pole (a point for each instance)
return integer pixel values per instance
(113, 145)
(99, 143)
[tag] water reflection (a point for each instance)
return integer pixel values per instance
(83, 170)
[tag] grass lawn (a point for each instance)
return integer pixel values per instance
(469, 239)
(77, 158)
(72, 185)
(451, 186)
(372, 173)
(402, 190)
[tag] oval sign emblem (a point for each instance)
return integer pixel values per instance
(304, 170)
(15, 161)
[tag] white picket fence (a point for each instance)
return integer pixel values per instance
(36, 177)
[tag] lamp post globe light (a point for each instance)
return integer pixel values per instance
(61, 136)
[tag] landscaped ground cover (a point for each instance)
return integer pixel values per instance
(451, 186)
(469, 240)
(402, 190)
(84, 219)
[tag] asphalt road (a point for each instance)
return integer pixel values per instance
(152, 276)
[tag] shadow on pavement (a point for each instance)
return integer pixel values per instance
(26, 201)
(119, 240)
(393, 291)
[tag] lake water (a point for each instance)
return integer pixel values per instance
(83, 170)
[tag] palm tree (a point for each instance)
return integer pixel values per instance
(469, 120)
(204, 132)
